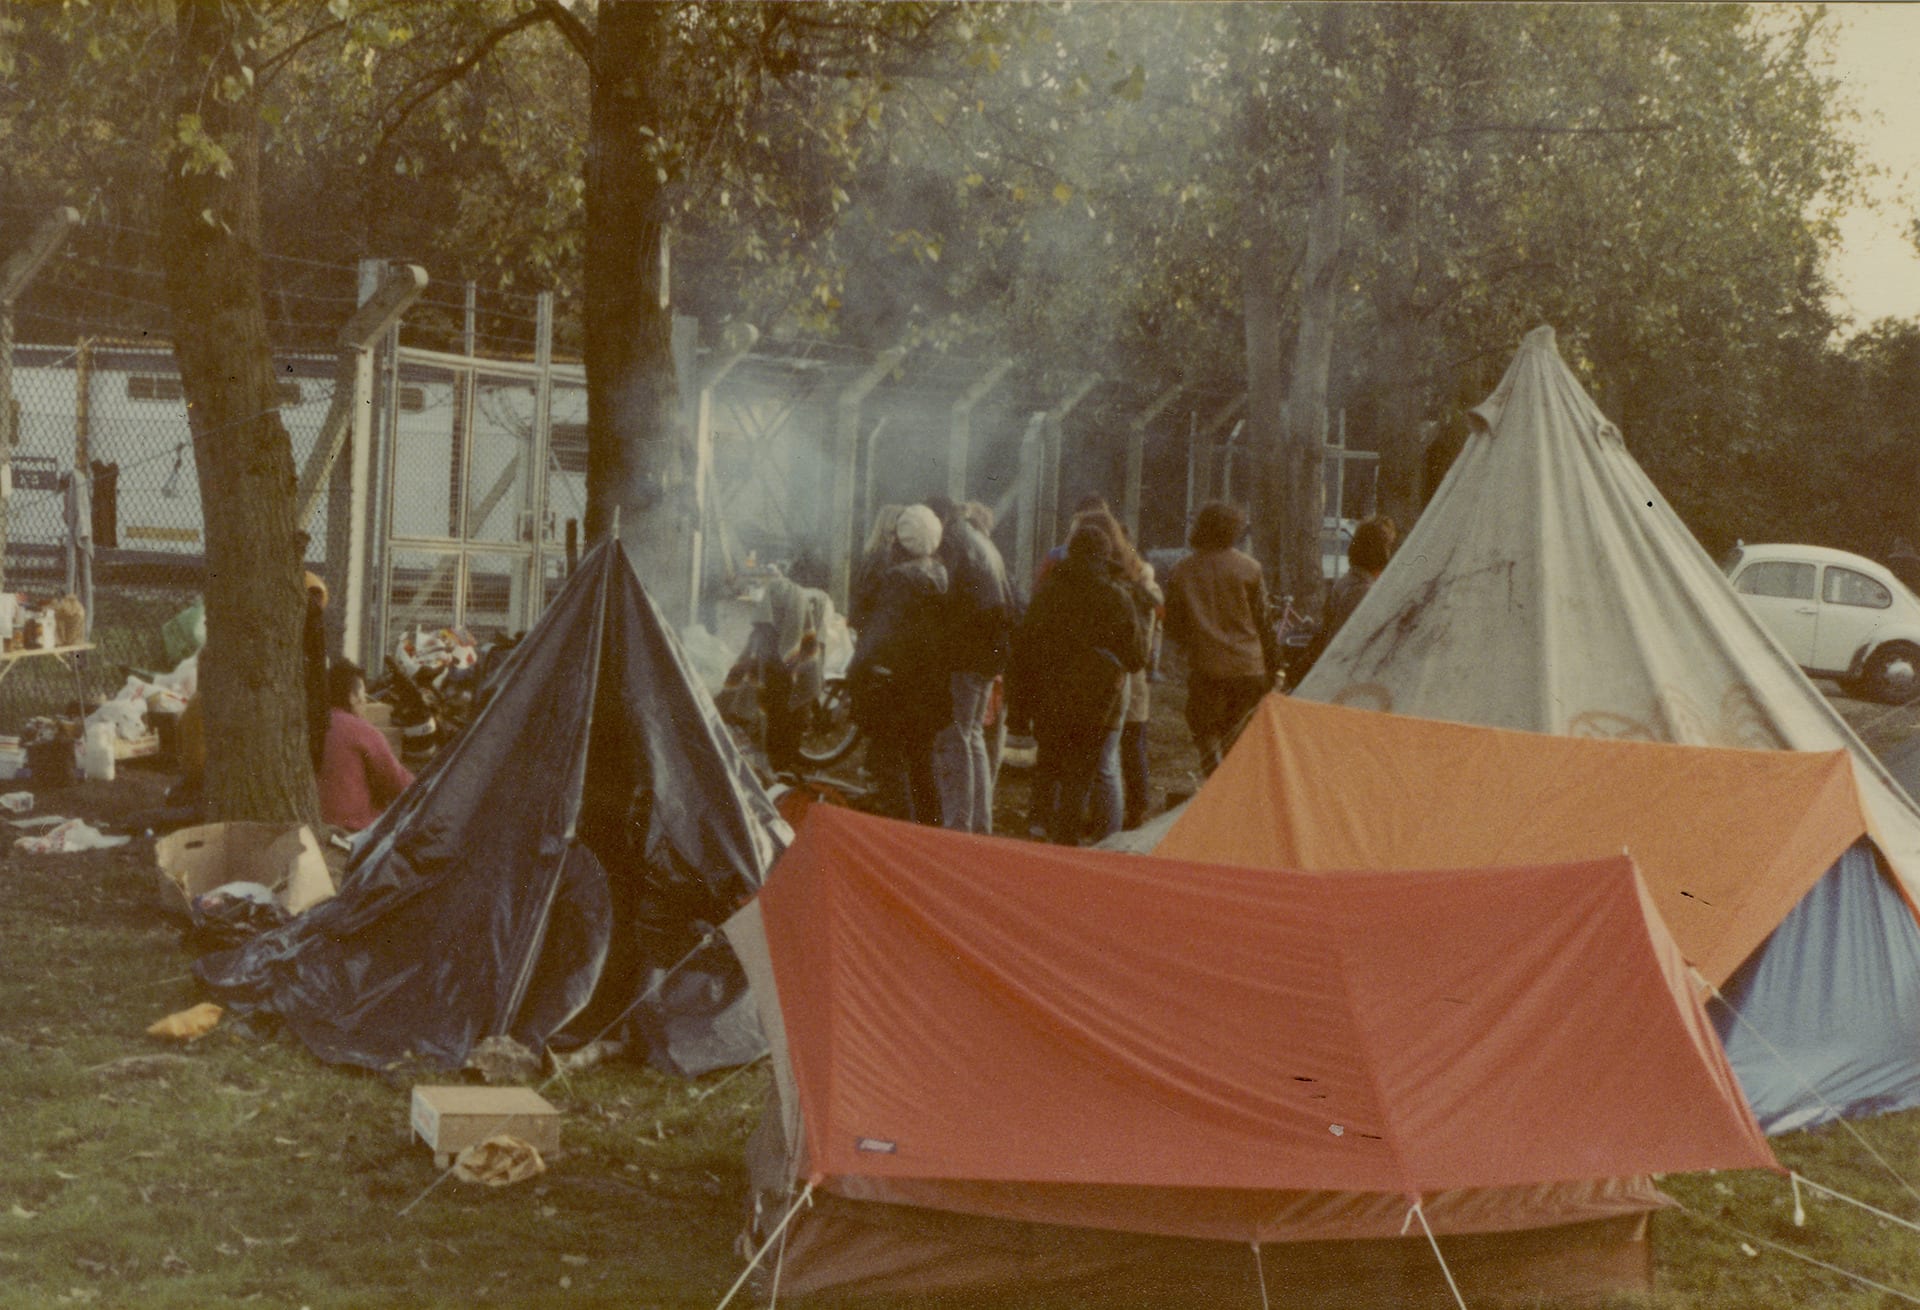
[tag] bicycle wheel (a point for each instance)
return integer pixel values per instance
(829, 734)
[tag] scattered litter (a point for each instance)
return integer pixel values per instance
(21, 1212)
(587, 1056)
(575, 1260)
(498, 1162)
(229, 915)
(138, 1066)
(38, 820)
(185, 1025)
(69, 835)
(17, 802)
(503, 1060)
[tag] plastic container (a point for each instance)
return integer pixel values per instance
(96, 753)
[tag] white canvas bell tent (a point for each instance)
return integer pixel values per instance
(1550, 587)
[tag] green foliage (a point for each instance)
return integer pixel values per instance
(1082, 184)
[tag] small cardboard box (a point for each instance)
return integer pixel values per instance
(283, 857)
(450, 1119)
(137, 749)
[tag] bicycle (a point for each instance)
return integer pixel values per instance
(829, 733)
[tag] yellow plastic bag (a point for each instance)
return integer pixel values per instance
(498, 1161)
(185, 1025)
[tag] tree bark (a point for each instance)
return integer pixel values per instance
(635, 465)
(1297, 553)
(251, 673)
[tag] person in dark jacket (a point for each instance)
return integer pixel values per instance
(978, 624)
(1367, 557)
(898, 676)
(1072, 654)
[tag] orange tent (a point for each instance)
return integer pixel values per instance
(1102, 1041)
(1729, 840)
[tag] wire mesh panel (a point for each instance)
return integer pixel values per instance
(500, 460)
(496, 600)
(422, 586)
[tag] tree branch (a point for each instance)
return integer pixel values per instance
(576, 32)
(445, 77)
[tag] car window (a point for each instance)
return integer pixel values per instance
(1783, 578)
(1846, 587)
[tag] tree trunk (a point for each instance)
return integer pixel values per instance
(634, 447)
(1298, 555)
(251, 673)
(1402, 453)
(1266, 432)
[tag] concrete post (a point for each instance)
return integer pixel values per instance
(1027, 503)
(960, 429)
(846, 455)
(1049, 525)
(1136, 457)
(1200, 462)
(735, 341)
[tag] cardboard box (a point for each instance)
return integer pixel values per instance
(137, 749)
(450, 1119)
(283, 857)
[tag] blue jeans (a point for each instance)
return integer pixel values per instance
(1109, 802)
(960, 766)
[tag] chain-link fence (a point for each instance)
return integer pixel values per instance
(104, 456)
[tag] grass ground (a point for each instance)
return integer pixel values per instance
(137, 1173)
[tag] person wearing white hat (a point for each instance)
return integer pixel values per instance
(898, 671)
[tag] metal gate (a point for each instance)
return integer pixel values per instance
(481, 464)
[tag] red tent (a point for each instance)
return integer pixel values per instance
(1103, 1041)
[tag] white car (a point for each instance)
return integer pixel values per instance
(1838, 615)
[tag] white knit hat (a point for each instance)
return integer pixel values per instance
(918, 531)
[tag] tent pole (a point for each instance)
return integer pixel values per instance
(1418, 1213)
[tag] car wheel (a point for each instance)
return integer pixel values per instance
(1892, 674)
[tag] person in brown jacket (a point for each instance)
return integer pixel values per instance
(1217, 614)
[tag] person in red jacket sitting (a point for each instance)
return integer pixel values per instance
(358, 775)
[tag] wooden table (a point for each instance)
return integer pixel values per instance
(69, 657)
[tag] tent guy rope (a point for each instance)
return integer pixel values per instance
(1791, 1068)
(1757, 1240)
(805, 1198)
(1418, 1212)
(1260, 1270)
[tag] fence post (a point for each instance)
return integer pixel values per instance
(846, 454)
(349, 424)
(960, 429)
(736, 339)
(1027, 490)
(1055, 429)
(18, 274)
(539, 451)
(1136, 458)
